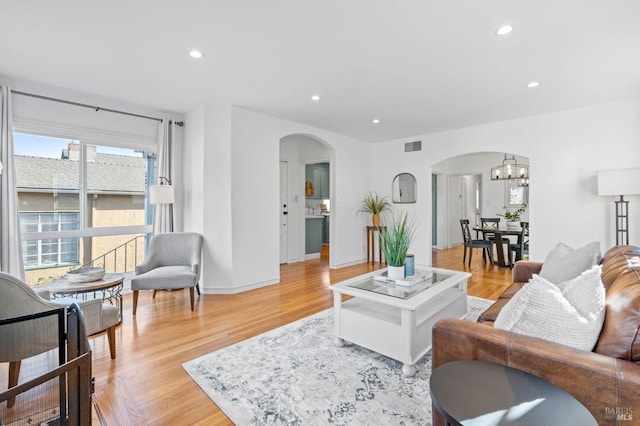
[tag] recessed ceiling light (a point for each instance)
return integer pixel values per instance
(376, 121)
(504, 30)
(533, 84)
(315, 98)
(196, 54)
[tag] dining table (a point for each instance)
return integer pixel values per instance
(499, 233)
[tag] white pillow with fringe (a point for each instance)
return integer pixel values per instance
(570, 313)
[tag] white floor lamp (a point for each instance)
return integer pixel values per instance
(163, 194)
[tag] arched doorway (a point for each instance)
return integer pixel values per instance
(305, 216)
(463, 189)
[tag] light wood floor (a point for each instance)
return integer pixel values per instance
(146, 384)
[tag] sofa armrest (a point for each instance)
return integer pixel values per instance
(606, 386)
(523, 270)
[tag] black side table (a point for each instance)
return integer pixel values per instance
(482, 393)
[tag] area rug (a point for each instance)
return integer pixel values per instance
(294, 375)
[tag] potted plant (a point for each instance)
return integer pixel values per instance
(395, 240)
(374, 204)
(513, 217)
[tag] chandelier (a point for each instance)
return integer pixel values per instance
(510, 170)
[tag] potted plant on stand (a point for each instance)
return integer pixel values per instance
(513, 217)
(375, 204)
(395, 240)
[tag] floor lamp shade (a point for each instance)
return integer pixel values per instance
(619, 183)
(161, 194)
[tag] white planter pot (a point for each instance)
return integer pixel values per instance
(396, 272)
(513, 225)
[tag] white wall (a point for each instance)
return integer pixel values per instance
(231, 176)
(242, 174)
(565, 150)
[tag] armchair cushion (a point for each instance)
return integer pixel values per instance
(98, 316)
(165, 277)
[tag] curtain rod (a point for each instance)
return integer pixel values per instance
(94, 107)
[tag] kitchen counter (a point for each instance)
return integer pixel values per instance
(315, 216)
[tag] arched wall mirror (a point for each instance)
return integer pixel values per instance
(404, 188)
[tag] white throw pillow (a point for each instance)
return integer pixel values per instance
(571, 313)
(564, 263)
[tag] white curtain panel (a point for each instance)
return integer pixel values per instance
(10, 244)
(163, 213)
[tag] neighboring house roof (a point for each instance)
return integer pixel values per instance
(109, 173)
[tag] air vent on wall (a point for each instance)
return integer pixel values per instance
(413, 146)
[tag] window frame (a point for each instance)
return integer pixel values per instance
(85, 137)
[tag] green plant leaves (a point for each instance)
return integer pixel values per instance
(374, 204)
(395, 239)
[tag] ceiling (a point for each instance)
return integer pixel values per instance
(419, 66)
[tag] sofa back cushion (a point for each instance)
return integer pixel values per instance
(564, 263)
(620, 333)
(614, 262)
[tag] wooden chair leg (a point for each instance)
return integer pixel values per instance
(464, 258)
(154, 294)
(135, 301)
(14, 372)
(491, 254)
(111, 335)
(470, 255)
(511, 258)
(192, 297)
(198, 288)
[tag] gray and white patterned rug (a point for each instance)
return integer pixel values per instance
(294, 375)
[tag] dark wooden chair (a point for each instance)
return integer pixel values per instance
(489, 223)
(521, 245)
(469, 243)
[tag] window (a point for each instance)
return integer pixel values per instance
(50, 251)
(515, 195)
(80, 201)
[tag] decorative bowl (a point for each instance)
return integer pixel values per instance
(85, 275)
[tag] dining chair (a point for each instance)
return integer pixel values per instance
(470, 244)
(491, 223)
(172, 263)
(522, 244)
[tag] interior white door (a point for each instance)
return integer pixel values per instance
(284, 212)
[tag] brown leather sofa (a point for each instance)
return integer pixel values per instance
(606, 381)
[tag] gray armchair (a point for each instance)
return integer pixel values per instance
(18, 299)
(172, 263)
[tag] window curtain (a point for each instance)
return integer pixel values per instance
(163, 213)
(10, 242)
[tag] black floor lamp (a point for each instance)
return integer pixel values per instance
(619, 183)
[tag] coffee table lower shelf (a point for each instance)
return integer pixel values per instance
(401, 333)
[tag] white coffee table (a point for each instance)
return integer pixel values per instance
(393, 320)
